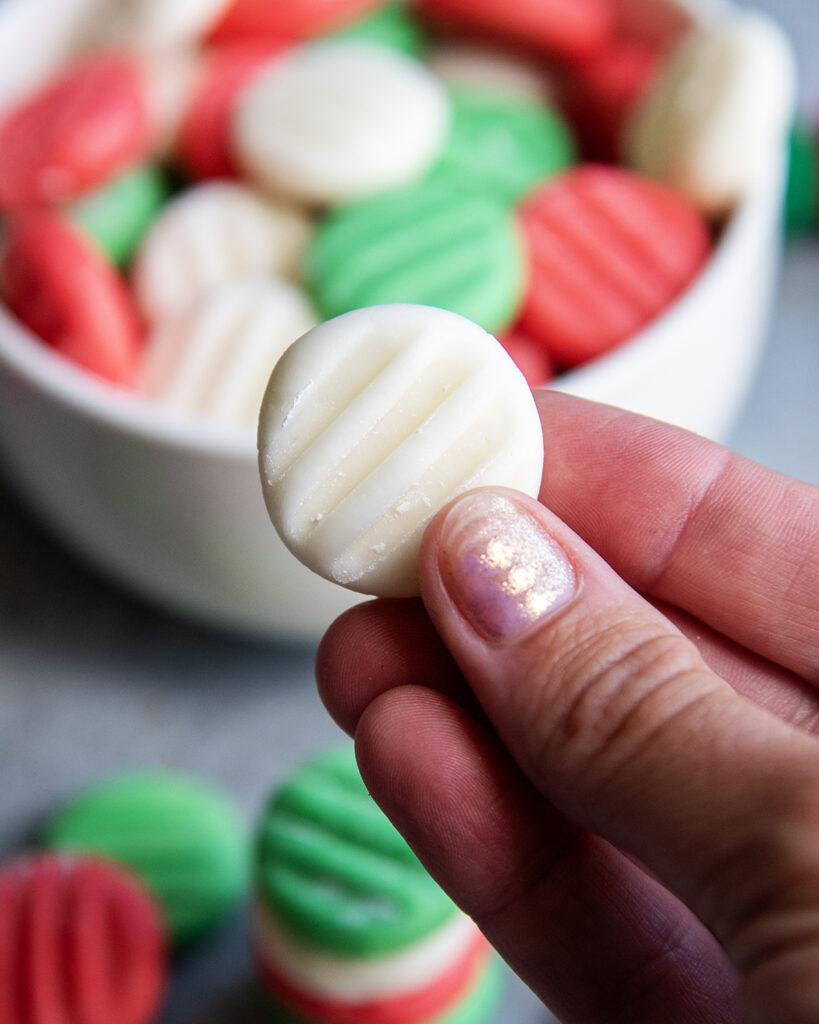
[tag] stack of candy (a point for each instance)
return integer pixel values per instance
(348, 927)
(212, 178)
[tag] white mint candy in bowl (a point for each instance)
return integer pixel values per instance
(374, 421)
(336, 121)
(210, 234)
(214, 359)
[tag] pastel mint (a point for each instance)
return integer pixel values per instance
(184, 841)
(334, 872)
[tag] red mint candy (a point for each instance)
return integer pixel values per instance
(204, 135)
(293, 19)
(530, 357)
(80, 943)
(79, 130)
(609, 251)
(62, 287)
(569, 28)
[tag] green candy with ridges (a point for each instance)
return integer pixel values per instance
(429, 244)
(478, 1006)
(184, 840)
(118, 214)
(802, 197)
(502, 145)
(334, 873)
(391, 25)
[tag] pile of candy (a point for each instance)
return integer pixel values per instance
(347, 926)
(208, 180)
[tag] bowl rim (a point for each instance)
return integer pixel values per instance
(129, 412)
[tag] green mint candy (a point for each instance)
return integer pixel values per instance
(503, 145)
(430, 244)
(332, 870)
(802, 198)
(117, 215)
(391, 25)
(183, 840)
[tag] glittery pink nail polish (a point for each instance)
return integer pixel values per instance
(500, 567)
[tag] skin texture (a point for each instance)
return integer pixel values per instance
(624, 792)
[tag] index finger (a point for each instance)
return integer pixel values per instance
(686, 521)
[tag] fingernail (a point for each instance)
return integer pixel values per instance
(500, 567)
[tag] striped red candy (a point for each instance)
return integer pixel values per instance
(293, 19)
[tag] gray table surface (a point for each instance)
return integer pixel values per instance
(93, 683)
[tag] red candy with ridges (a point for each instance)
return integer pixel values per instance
(295, 19)
(77, 132)
(609, 251)
(81, 942)
(62, 287)
(204, 136)
(569, 28)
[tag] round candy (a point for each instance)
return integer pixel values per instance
(85, 126)
(373, 422)
(609, 251)
(209, 235)
(182, 839)
(338, 120)
(81, 942)
(502, 145)
(802, 203)
(62, 287)
(295, 19)
(117, 215)
(719, 111)
(569, 28)
(215, 359)
(391, 25)
(431, 244)
(204, 139)
(159, 24)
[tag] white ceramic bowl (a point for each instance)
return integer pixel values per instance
(172, 508)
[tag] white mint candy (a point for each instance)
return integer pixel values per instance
(209, 235)
(720, 112)
(335, 121)
(375, 420)
(215, 360)
(151, 25)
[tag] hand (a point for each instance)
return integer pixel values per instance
(598, 730)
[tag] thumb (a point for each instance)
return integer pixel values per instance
(614, 716)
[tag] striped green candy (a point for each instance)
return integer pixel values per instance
(430, 244)
(183, 840)
(332, 870)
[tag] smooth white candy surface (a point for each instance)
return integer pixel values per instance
(335, 121)
(719, 111)
(462, 65)
(373, 422)
(210, 235)
(357, 980)
(215, 360)
(151, 25)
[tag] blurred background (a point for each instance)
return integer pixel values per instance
(94, 683)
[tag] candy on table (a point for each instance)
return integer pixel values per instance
(609, 251)
(802, 200)
(208, 235)
(214, 359)
(152, 25)
(569, 29)
(374, 421)
(530, 357)
(91, 122)
(348, 926)
(203, 142)
(117, 215)
(430, 244)
(81, 942)
(501, 145)
(295, 19)
(722, 104)
(483, 67)
(339, 120)
(182, 839)
(58, 283)
(390, 25)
